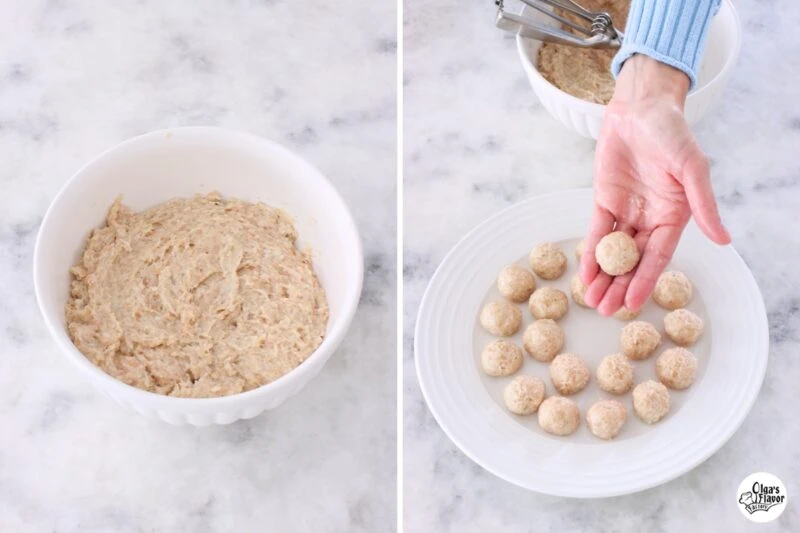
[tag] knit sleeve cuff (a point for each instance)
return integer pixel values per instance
(670, 31)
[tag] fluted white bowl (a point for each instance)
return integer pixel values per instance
(585, 118)
(182, 162)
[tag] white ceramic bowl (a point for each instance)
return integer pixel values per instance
(722, 49)
(182, 162)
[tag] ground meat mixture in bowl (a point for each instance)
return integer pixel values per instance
(583, 72)
(196, 297)
(198, 275)
(574, 84)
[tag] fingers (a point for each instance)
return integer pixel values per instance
(657, 253)
(624, 227)
(615, 295)
(597, 289)
(697, 184)
(602, 223)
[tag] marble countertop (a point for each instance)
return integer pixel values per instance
(77, 77)
(477, 140)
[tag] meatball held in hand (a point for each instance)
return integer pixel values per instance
(617, 254)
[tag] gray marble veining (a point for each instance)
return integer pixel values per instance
(77, 77)
(477, 140)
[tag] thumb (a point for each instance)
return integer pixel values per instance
(696, 181)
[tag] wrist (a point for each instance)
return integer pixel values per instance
(643, 78)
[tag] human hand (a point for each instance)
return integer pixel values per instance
(650, 177)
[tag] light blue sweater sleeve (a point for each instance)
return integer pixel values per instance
(671, 31)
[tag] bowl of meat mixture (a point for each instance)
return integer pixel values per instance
(575, 84)
(198, 275)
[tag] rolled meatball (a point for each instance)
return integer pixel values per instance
(625, 314)
(569, 373)
(516, 283)
(615, 374)
(579, 250)
(559, 416)
(548, 261)
(578, 290)
(673, 290)
(676, 368)
(524, 395)
(548, 302)
(501, 358)
(617, 253)
(651, 401)
(605, 418)
(639, 339)
(683, 327)
(501, 318)
(543, 340)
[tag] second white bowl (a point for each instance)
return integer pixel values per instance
(180, 163)
(722, 49)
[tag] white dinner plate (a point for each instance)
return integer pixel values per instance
(467, 404)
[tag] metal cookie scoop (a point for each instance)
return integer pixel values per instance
(598, 26)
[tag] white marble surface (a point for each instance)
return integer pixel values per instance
(476, 140)
(77, 77)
